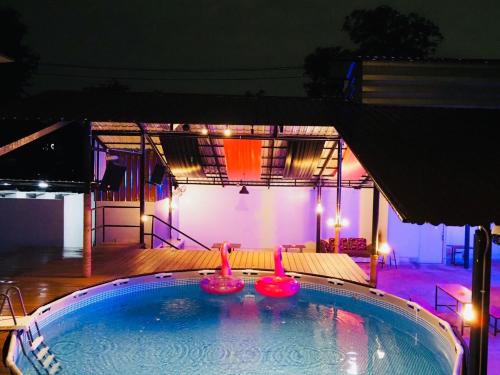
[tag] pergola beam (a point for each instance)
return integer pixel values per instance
(327, 160)
(215, 155)
(275, 135)
(157, 151)
(218, 136)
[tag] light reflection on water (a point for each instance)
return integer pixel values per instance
(181, 330)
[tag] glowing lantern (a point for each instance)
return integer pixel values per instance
(468, 313)
(384, 248)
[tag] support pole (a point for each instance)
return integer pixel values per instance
(142, 168)
(318, 219)
(481, 279)
(338, 211)
(374, 256)
(170, 202)
(87, 204)
(87, 234)
(466, 246)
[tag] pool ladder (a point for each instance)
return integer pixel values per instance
(38, 348)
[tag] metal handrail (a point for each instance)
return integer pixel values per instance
(152, 234)
(12, 314)
(6, 297)
(161, 239)
(181, 232)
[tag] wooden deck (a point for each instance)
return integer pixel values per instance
(45, 278)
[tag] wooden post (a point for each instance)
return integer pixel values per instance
(338, 211)
(318, 218)
(374, 256)
(87, 234)
(481, 280)
(87, 204)
(142, 168)
(170, 202)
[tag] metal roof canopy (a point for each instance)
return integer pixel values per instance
(434, 165)
(274, 120)
(275, 138)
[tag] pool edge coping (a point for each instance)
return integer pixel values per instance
(441, 327)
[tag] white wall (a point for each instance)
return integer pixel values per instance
(260, 219)
(31, 223)
(412, 242)
(73, 220)
(263, 218)
(129, 216)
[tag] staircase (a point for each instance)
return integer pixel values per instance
(42, 353)
(45, 360)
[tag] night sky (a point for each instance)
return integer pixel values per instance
(212, 34)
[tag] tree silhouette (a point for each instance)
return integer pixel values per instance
(326, 69)
(14, 76)
(382, 32)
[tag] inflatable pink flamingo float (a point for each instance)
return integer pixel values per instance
(278, 285)
(222, 282)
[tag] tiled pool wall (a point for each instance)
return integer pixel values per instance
(437, 328)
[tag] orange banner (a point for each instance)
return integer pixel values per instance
(243, 159)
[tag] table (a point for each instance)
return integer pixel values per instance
(217, 245)
(457, 292)
(298, 247)
(454, 250)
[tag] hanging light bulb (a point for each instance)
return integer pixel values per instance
(204, 131)
(319, 208)
(227, 132)
(384, 248)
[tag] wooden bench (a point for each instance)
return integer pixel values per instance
(300, 248)
(462, 296)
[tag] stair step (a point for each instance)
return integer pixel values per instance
(46, 363)
(36, 342)
(42, 353)
(55, 368)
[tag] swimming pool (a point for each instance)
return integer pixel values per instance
(164, 324)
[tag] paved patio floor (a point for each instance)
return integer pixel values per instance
(417, 282)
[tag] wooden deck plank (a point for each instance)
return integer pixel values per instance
(329, 268)
(199, 261)
(353, 270)
(55, 278)
(329, 262)
(288, 262)
(319, 267)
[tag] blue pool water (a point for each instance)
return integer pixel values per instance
(181, 330)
